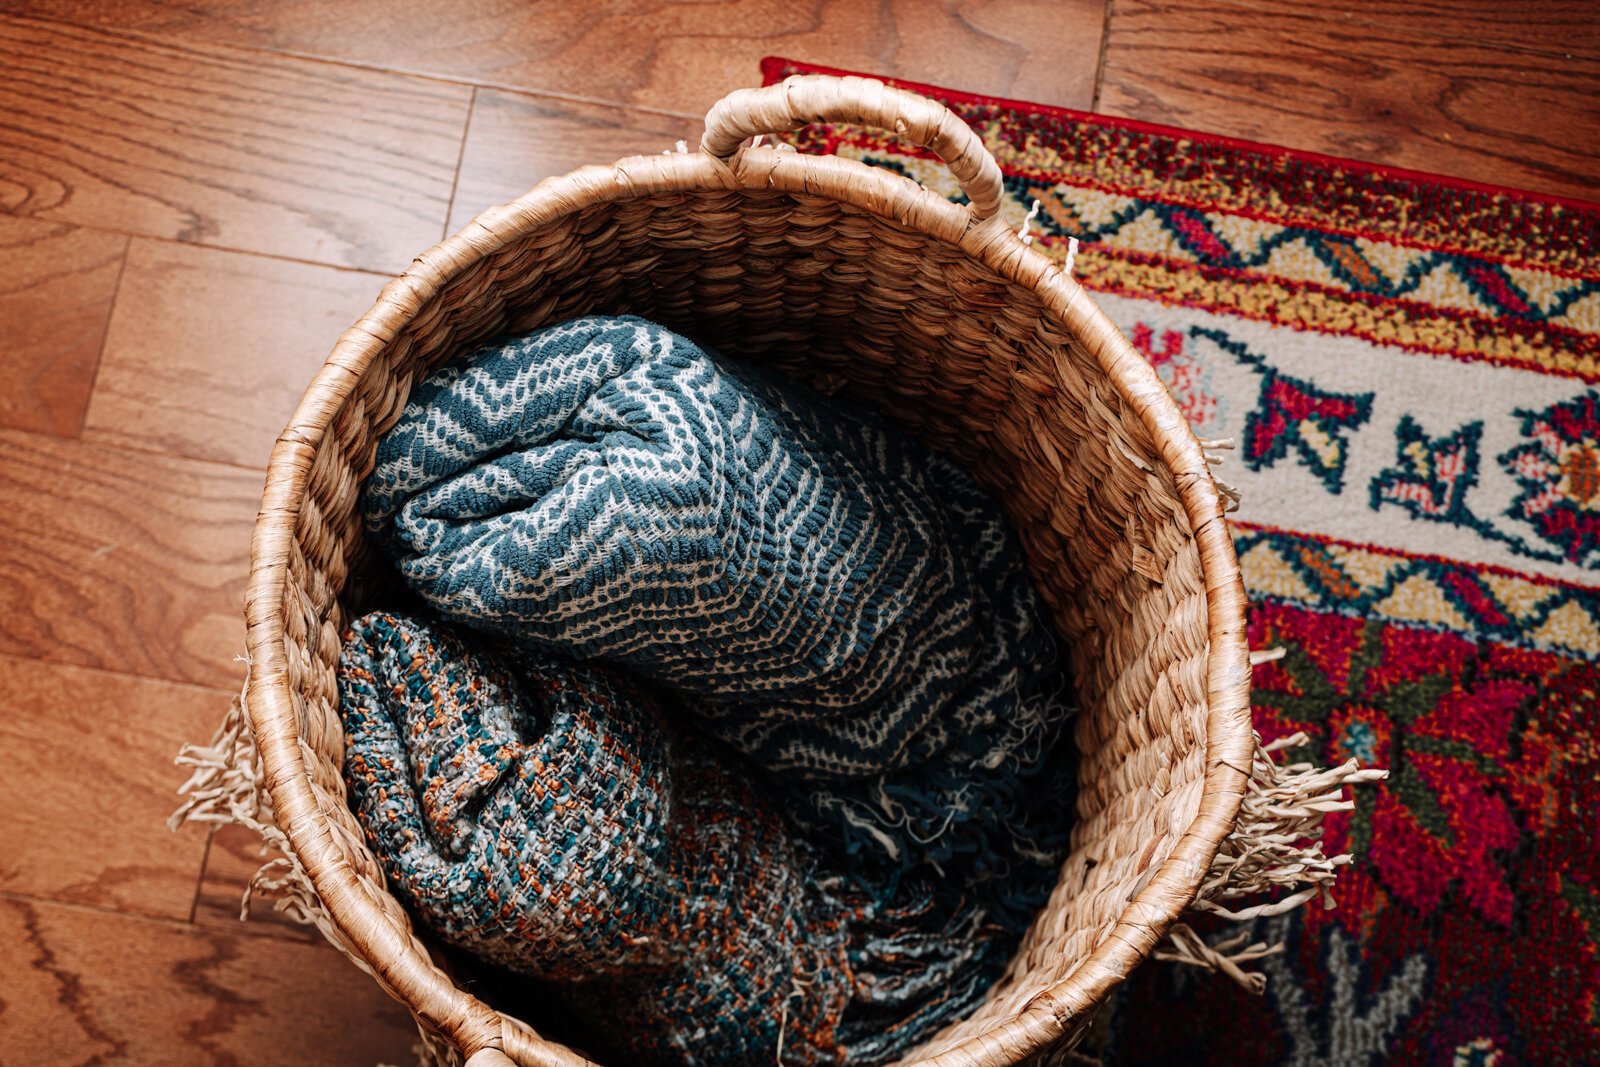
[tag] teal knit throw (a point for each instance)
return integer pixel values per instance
(842, 605)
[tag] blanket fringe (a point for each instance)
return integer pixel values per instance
(1276, 847)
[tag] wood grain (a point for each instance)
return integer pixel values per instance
(88, 987)
(515, 140)
(225, 147)
(1292, 76)
(234, 857)
(209, 351)
(1554, 27)
(124, 561)
(670, 55)
(87, 782)
(55, 297)
(221, 123)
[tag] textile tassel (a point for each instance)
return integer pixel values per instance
(1212, 448)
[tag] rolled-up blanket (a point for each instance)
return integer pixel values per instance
(849, 609)
(549, 817)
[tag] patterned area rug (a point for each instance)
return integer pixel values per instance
(1406, 363)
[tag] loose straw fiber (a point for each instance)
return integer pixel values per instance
(843, 275)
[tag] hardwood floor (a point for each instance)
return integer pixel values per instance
(123, 560)
(1554, 27)
(516, 140)
(208, 351)
(88, 986)
(197, 196)
(1288, 74)
(670, 56)
(55, 299)
(122, 855)
(216, 146)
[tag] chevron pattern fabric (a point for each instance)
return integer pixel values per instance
(842, 605)
(553, 818)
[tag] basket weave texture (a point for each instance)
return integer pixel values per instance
(849, 277)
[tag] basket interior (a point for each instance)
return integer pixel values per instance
(972, 363)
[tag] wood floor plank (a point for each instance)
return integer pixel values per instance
(87, 987)
(674, 56)
(225, 147)
(209, 351)
(515, 140)
(234, 857)
(124, 561)
(1555, 27)
(1293, 76)
(87, 781)
(55, 298)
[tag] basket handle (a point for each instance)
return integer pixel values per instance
(805, 98)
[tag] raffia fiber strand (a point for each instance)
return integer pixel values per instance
(1276, 845)
(844, 276)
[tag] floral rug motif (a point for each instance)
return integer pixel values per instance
(1408, 366)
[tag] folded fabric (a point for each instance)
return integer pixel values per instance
(848, 608)
(548, 816)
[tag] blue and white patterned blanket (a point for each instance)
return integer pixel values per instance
(838, 602)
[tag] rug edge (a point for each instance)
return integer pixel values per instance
(772, 65)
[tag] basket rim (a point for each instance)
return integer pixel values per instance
(396, 958)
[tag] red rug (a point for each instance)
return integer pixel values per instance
(1406, 363)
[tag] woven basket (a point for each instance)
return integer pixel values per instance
(851, 277)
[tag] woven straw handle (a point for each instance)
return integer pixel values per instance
(803, 99)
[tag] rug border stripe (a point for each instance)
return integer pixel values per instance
(1499, 223)
(1249, 526)
(771, 66)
